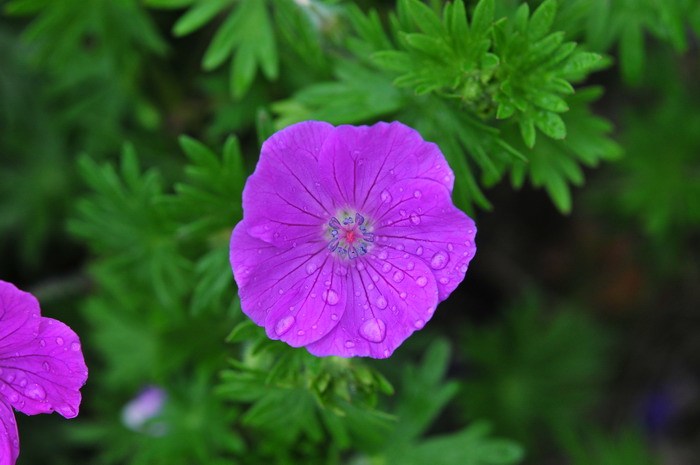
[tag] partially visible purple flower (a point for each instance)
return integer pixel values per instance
(41, 366)
(349, 238)
(143, 408)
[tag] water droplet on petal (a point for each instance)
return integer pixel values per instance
(386, 267)
(463, 268)
(349, 344)
(381, 302)
(300, 332)
(444, 280)
(450, 247)
(419, 251)
(398, 276)
(402, 213)
(310, 267)
(334, 317)
(22, 382)
(410, 266)
(46, 366)
(331, 296)
(386, 352)
(385, 196)
(383, 255)
(66, 410)
(417, 194)
(439, 260)
(374, 330)
(42, 342)
(421, 281)
(403, 295)
(284, 324)
(36, 392)
(415, 219)
(419, 324)
(360, 266)
(59, 341)
(341, 271)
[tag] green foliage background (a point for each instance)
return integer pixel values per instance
(128, 129)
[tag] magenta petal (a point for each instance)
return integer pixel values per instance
(283, 201)
(297, 293)
(19, 316)
(432, 165)
(423, 222)
(44, 374)
(9, 439)
(391, 294)
(357, 164)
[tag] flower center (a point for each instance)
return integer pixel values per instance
(351, 237)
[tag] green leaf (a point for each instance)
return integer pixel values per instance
(551, 124)
(527, 130)
(558, 190)
(632, 53)
(505, 110)
(224, 41)
(243, 68)
(548, 101)
(581, 62)
(542, 18)
(244, 331)
(197, 16)
(392, 60)
(482, 19)
(424, 17)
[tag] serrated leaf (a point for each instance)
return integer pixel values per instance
(581, 62)
(424, 17)
(558, 190)
(197, 16)
(243, 69)
(548, 101)
(542, 19)
(551, 124)
(505, 110)
(521, 16)
(224, 41)
(482, 17)
(392, 60)
(560, 54)
(632, 53)
(244, 331)
(527, 131)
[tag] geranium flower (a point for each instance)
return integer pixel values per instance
(41, 366)
(139, 413)
(349, 238)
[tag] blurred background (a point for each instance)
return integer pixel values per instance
(128, 128)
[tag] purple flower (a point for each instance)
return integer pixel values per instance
(41, 366)
(138, 414)
(349, 237)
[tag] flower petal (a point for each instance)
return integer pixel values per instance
(391, 294)
(422, 221)
(297, 293)
(358, 163)
(19, 316)
(46, 373)
(9, 439)
(283, 201)
(432, 165)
